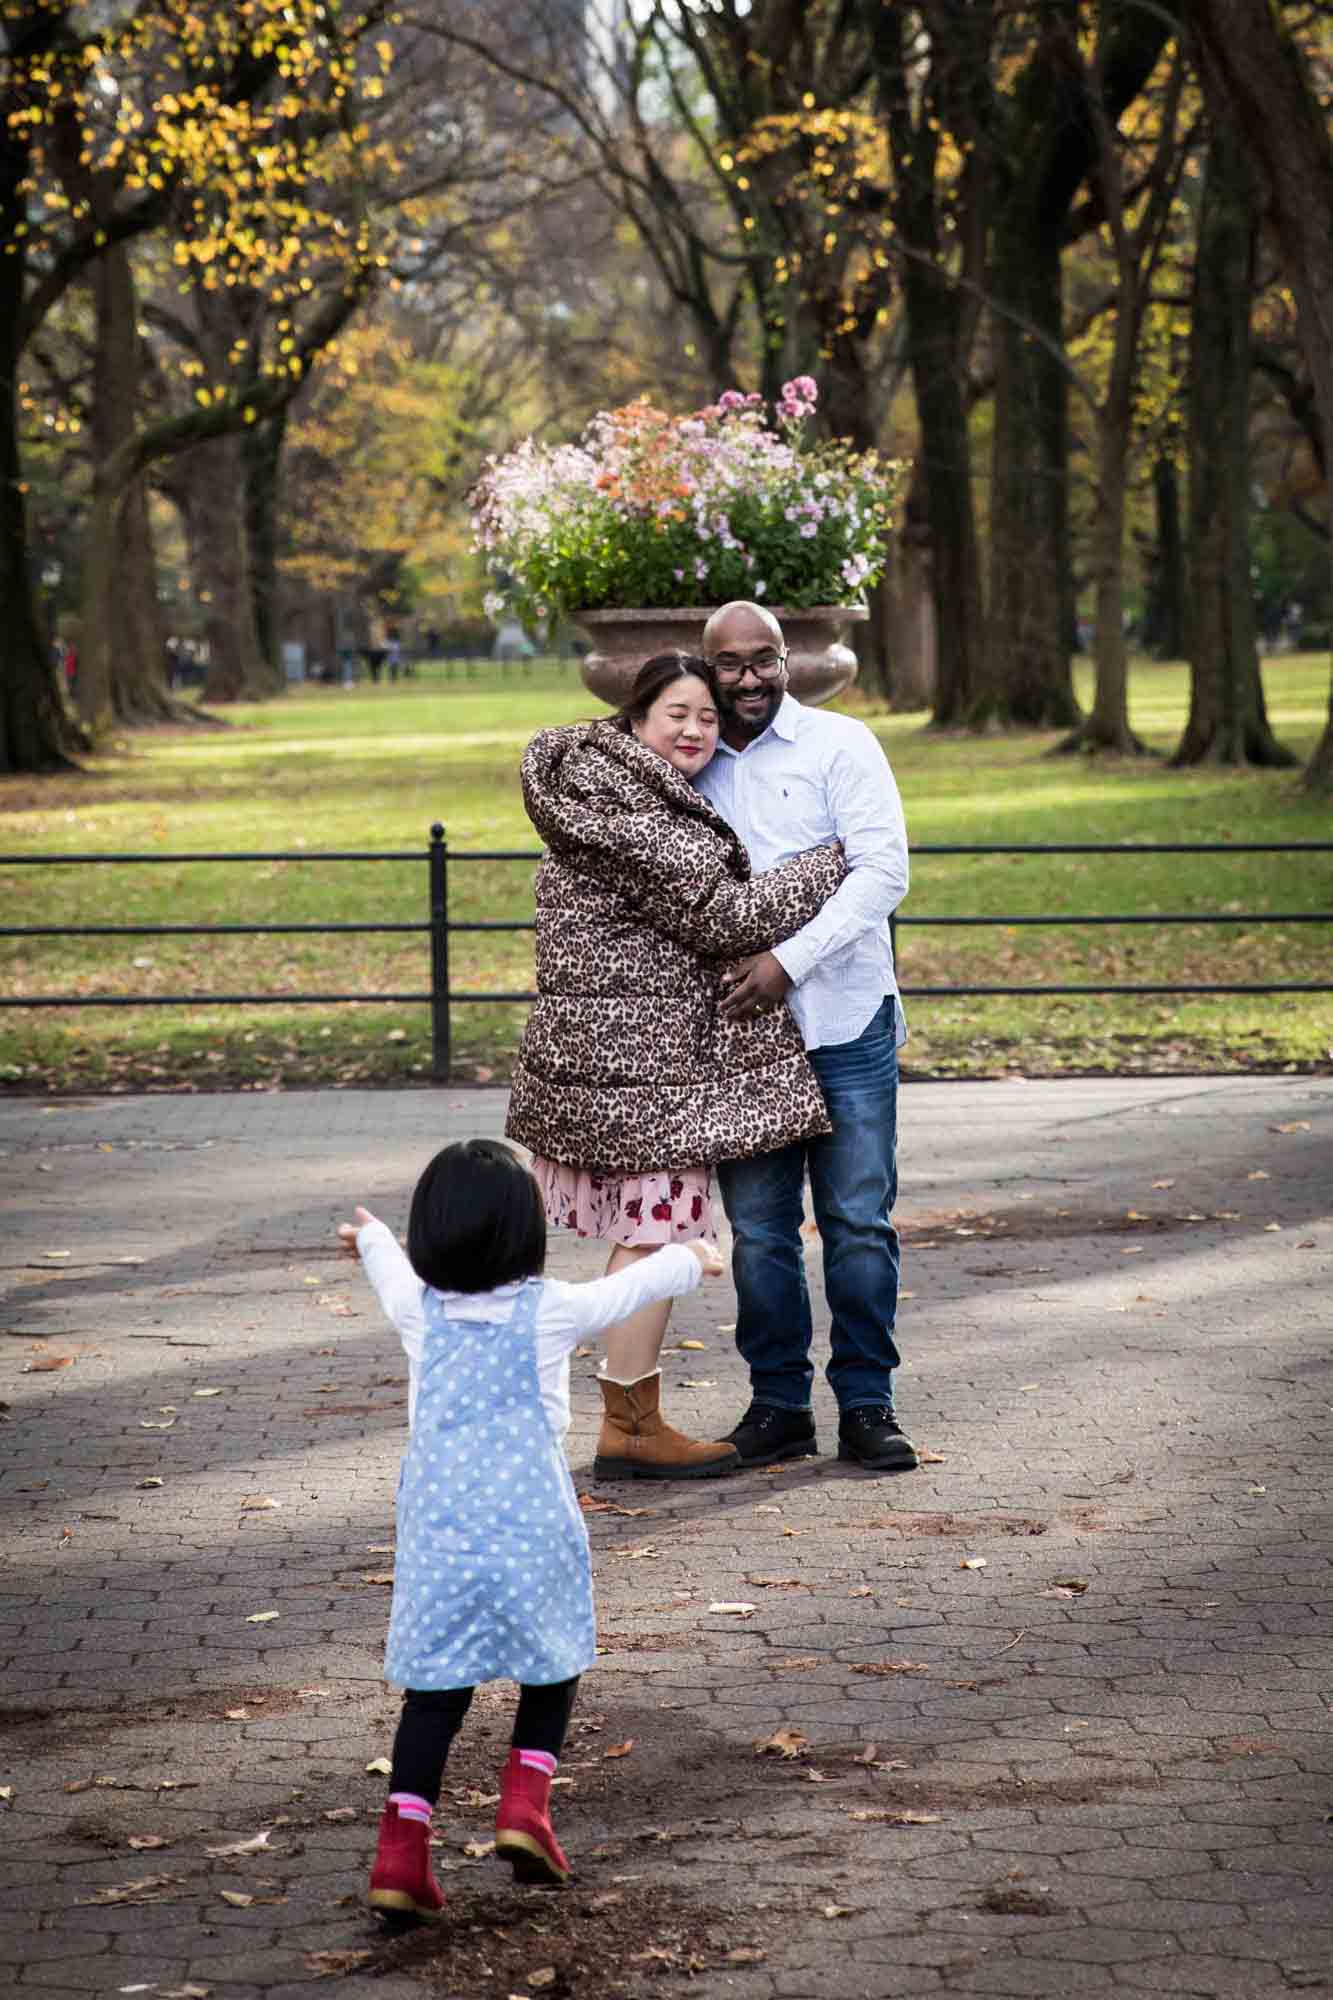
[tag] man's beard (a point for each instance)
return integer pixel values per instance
(754, 721)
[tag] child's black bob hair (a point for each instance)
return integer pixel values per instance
(477, 1219)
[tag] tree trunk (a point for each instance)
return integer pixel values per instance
(1164, 615)
(934, 341)
(1027, 678)
(261, 447)
(939, 320)
(37, 732)
(1227, 723)
(1261, 83)
(1106, 726)
(1050, 148)
(212, 481)
(913, 647)
(873, 644)
(123, 656)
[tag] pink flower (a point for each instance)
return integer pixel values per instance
(731, 399)
(803, 389)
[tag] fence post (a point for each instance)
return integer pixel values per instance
(439, 954)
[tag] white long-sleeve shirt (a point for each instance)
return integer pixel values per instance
(566, 1313)
(813, 777)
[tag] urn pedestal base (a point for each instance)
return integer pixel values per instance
(818, 664)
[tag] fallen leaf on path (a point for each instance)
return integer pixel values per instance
(380, 1767)
(868, 1755)
(237, 1899)
(746, 1954)
(932, 1457)
(330, 1964)
(782, 1743)
(145, 1483)
(777, 1583)
(1295, 1125)
(148, 1889)
(145, 1840)
(340, 1815)
(876, 1668)
(1258, 1175)
(831, 1910)
(973, 1562)
(896, 1816)
(1078, 1584)
(726, 1610)
(382, 1577)
(257, 1844)
(692, 1346)
(861, 1590)
(262, 1617)
(545, 1975)
(188, 1992)
(620, 1749)
(48, 1365)
(209, 1392)
(477, 1850)
(258, 1503)
(691, 1382)
(144, 1425)
(1163, 1184)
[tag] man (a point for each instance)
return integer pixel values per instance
(787, 778)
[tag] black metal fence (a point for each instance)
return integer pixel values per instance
(440, 927)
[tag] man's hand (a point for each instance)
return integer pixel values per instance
(752, 984)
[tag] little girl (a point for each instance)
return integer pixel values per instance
(492, 1578)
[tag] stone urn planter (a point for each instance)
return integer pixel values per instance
(818, 664)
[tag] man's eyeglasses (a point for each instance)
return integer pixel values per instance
(767, 662)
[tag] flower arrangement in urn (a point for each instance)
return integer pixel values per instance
(655, 511)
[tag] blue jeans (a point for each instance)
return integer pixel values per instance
(854, 1183)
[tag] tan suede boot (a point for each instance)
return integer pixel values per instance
(635, 1443)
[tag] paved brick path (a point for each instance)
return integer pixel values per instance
(1058, 1703)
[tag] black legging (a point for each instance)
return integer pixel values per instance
(432, 1717)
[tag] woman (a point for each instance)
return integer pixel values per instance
(630, 1084)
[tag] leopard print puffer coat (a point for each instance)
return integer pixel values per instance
(627, 1065)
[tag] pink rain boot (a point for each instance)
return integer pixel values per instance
(524, 1836)
(401, 1881)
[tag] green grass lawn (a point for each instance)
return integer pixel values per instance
(373, 768)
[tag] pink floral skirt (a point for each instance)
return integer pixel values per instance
(642, 1209)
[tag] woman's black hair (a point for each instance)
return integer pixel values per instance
(477, 1219)
(659, 673)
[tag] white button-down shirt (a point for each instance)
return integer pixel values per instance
(813, 777)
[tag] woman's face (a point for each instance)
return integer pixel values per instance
(681, 725)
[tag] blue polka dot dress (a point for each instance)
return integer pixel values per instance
(492, 1578)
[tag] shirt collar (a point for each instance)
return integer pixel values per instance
(786, 717)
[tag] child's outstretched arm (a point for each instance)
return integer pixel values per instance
(590, 1308)
(396, 1284)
